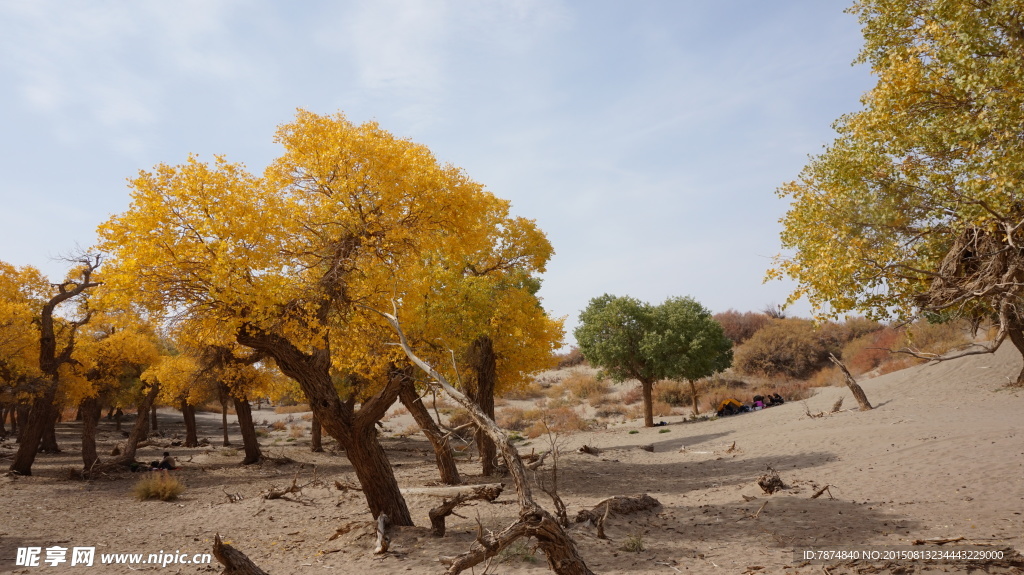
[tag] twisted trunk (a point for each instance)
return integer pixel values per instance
(481, 390)
(354, 430)
(442, 448)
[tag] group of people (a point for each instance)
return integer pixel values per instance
(734, 406)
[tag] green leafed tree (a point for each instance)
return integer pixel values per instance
(630, 339)
(918, 207)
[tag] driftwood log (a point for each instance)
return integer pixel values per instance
(234, 561)
(534, 521)
(438, 514)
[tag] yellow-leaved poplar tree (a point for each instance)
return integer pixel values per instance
(917, 208)
(348, 219)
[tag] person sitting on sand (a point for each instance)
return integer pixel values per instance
(167, 462)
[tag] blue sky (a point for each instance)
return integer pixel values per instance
(646, 138)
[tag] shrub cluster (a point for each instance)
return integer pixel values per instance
(739, 327)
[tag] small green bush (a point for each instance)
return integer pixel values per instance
(634, 543)
(158, 486)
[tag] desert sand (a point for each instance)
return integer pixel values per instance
(940, 456)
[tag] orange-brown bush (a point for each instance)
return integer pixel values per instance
(571, 358)
(559, 420)
(632, 395)
(786, 347)
(279, 426)
(739, 327)
(583, 385)
(513, 418)
(658, 409)
(674, 393)
(292, 408)
(937, 338)
(869, 351)
(531, 390)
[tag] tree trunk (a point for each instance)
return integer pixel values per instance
(354, 431)
(1017, 338)
(118, 417)
(693, 396)
(141, 429)
(316, 444)
(188, 412)
(3, 419)
(91, 410)
(858, 392)
(223, 396)
(48, 444)
(481, 391)
(442, 448)
(250, 442)
(152, 418)
(648, 392)
(32, 428)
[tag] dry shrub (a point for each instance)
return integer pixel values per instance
(826, 377)
(299, 408)
(158, 486)
(794, 390)
(786, 347)
(513, 418)
(739, 327)
(674, 393)
(870, 351)
(278, 426)
(897, 364)
(659, 409)
(603, 399)
(936, 338)
(583, 385)
(633, 395)
(571, 358)
(559, 402)
(611, 410)
(296, 431)
(412, 429)
(560, 420)
(459, 417)
(531, 390)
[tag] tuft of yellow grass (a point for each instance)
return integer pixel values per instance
(158, 486)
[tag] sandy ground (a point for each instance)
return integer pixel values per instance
(941, 456)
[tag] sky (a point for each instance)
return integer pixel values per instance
(646, 138)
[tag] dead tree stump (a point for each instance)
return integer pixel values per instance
(858, 393)
(234, 561)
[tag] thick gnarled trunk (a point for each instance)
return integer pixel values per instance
(354, 431)
(481, 390)
(32, 428)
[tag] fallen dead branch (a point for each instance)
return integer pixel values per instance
(620, 505)
(824, 489)
(771, 482)
(234, 561)
(477, 492)
(534, 521)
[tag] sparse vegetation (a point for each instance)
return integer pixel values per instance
(634, 543)
(158, 486)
